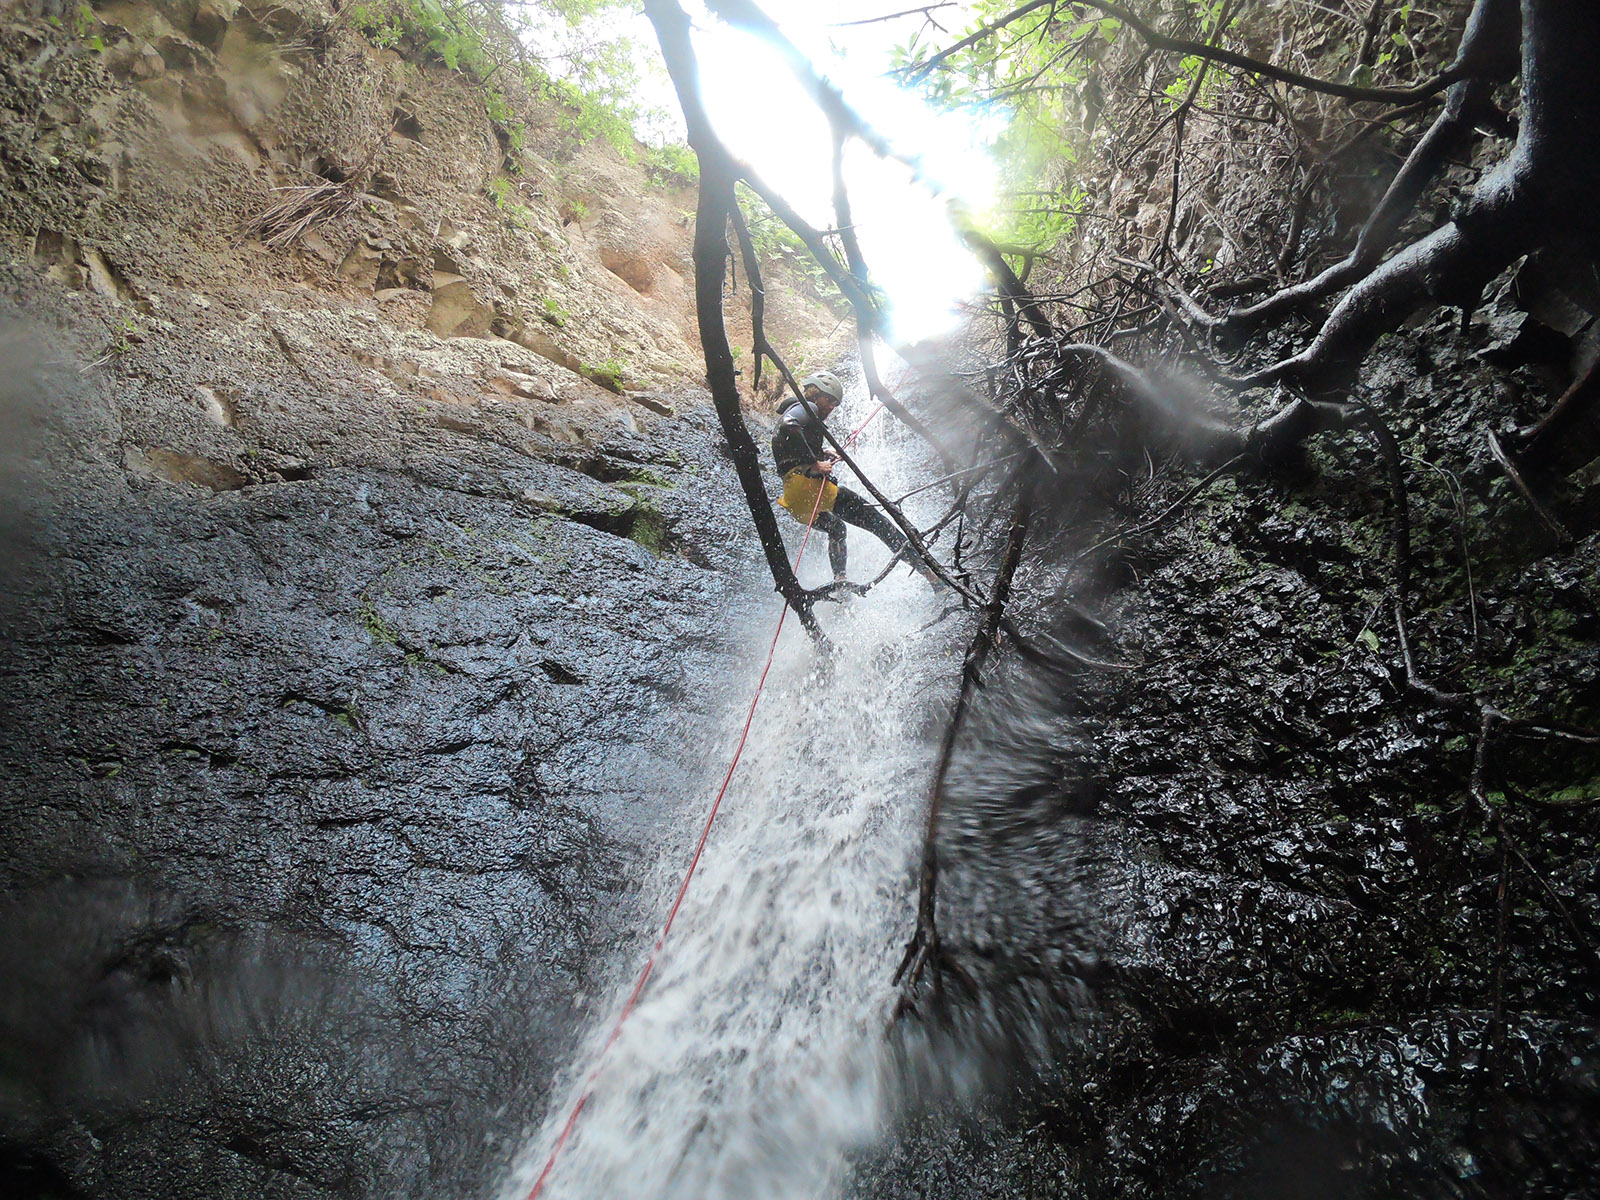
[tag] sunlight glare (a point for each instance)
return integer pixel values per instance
(763, 114)
(767, 120)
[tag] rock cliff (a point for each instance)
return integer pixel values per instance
(366, 544)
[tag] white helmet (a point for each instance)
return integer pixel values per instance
(825, 382)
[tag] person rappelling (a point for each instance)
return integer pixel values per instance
(805, 464)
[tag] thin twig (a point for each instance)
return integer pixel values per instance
(923, 947)
(1156, 521)
(1546, 518)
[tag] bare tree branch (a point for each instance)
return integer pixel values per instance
(1491, 42)
(864, 333)
(717, 175)
(923, 947)
(1157, 40)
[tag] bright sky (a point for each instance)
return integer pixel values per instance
(766, 118)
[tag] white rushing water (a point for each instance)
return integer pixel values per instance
(754, 1061)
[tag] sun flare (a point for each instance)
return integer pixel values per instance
(901, 218)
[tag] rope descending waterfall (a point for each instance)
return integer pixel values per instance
(694, 861)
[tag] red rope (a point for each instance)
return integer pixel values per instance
(683, 888)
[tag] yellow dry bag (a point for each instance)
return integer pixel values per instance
(800, 494)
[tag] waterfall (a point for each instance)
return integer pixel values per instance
(755, 1059)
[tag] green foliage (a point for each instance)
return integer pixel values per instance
(770, 236)
(1399, 38)
(1191, 66)
(649, 529)
(501, 191)
(1033, 83)
(449, 31)
(672, 165)
(775, 242)
(124, 336)
(83, 20)
(1023, 84)
(643, 476)
(593, 75)
(377, 628)
(1050, 219)
(592, 115)
(499, 110)
(1178, 89)
(648, 525)
(594, 79)
(607, 374)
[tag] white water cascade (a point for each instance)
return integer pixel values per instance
(755, 1059)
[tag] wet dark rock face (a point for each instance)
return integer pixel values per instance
(1224, 917)
(325, 798)
(352, 679)
(359, 650)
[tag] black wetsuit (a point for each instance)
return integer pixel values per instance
(797, 445)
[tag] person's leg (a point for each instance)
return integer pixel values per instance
(852, 508)
(858, 512)
(830, 524)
